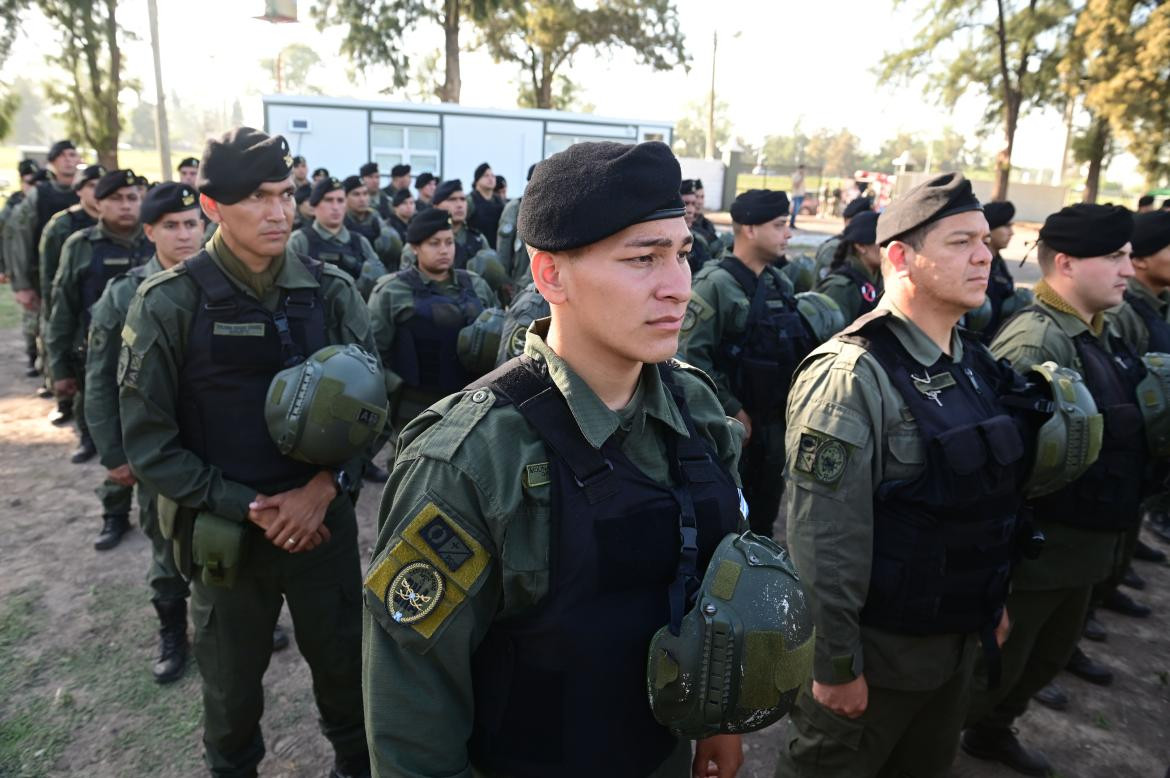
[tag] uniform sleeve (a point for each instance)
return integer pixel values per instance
(372, 269)
(297, 242)
(65, 316)
(704, 326)
(834, 413)
(101, 380)
(19, 251)
(505, 237)
(844, 295)
(148, 380)
(52, 241)
(382, 326)
(724, 432)
(1031, 339)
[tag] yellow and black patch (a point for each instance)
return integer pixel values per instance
(414, 593)
(821, 456)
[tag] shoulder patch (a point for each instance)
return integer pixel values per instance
(821, 456)
(161, 278)
(698, 310)
(329, 269)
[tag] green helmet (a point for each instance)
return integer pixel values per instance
(479, 342)
(329, 408)
(977, 319)
(1021, 298)
(801, 271)
(1069, 442)
(486, 263)
(528, 306)
(821, 313)
(1153, 394)
(742, 652)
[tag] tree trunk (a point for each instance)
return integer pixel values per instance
(1003, 160)
(449, 91)
(544, 95)
(1098, 141)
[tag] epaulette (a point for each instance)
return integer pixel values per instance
(678, 364)
(444, 438)
(336, 272)
(161, 278)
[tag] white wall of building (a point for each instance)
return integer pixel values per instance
(711, 172)
(337, 138)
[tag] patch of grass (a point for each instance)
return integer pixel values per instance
(1102, 722)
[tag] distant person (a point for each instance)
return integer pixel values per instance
(379, 202)
(326, 238)
(1145, 203)
(320, 173)
(855, 277)
(703, 225)
(188, 171)
(399, 180)
(508, 244)
(798, 194)
(300, 172)
(402, 211)
(483, 209)
(699, 253)
(827, 250)
(425, 185)
(361, 218)
(501, 190)
(27, 170)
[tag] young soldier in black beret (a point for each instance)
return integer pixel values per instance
(399, 180)
(319, 173)
(188, 171)
(425, 185)
(27, 170)
(483, 207)
(326, 238)
(372, 180)
(703, 225)
(827, 250)
(403, 211)
(300, 171)
(855, 277)
(530, 531)
(365, 221)
(700, 251)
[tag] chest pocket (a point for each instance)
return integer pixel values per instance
(907, 453)
(524, 551)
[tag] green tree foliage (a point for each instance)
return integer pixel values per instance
(690, 132)
(290, 69)
(10, 11)
(1008, 51)
(544, 36)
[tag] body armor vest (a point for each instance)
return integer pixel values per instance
(618, 573)
(234, 348)
(1000, 287)
(1157, 326)
(108, 260)
(347, 257)
(367, 229)
(485, 218)
(467, 248)
(50, 200)
(425, 350)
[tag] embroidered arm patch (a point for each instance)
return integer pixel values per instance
(822, 457)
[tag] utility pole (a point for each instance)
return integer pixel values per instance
(1068, 131)
(711, 99)
(161, 128)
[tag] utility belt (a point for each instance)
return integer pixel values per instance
(203, 543)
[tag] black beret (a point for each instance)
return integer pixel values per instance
(857, 205)
(320, 172)
(143, 182)
(482, 168)
(501, 182)
(936, 198)
(759, 206)
(1088, 229)
(1151, 233)
(89, 173)
(298, 160)
(446, 189)
(235, 166)
(113, 181)
(188, 162)
(27, 167)
(368, 169)
(686, 186)
(698, 184)
(862, 228)
(426, 224)
(593, 190)
(303, 192)
(399, 170)
(424, 179)
(40, 175)
(169, 197)
(999, 213)
(401, 196)
(324, 187)
(60, 146)
(351, 183)
(1145, 200)
(531, 168)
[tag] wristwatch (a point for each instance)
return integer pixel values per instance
(342, 481)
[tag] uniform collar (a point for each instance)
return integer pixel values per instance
(361, 219)
(1065, 315)
(287, 271)
(924, 350)
(341, 236)
(152, 266)
(1158, 302)
(596, 421)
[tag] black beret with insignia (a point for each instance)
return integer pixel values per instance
(351, 183)
(89, 173)
(424, 179)
(399, 170)
(862, 228)
(401, 196)
(1151, 233)
(426, 224)
(759, 206)
(936, 198)
(1088, 229)
(113, 181)
(304, 191)
(298, 160)
(857, 205)
(446, 189)
(27, 167)
(686, 186)
(999, 213)
(368, 169)
(320, 172)
(480, 169)
(59, 148)
(188, 162)
(168, 197)
(235, 165)
(322, 188)
(593, 190)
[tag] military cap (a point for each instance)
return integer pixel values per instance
(424, 179)
(320, 172)
(593, 190)
(87, 174)
(501, 182)
(60, 147)
(482, 168)
(1088, 229)
(168, 197)
(862, 228)
(401, 196)
(27, 167)
(426, 224)
(113, 181)
(936, 198)
(303, 192)
(999, 213)
(368, 169)
(399, 170)
(1151, 233)
(351, 183)
(235, 165)
(759, 206)
(298, 160)
(324, 187)
(698, 184)
(188, 162)
(686, 186)
(143, 182)
(857, 205)
(446, 189)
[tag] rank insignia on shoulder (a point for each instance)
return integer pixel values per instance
(822, 457)
(414, 593)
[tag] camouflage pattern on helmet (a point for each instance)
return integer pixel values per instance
(821, 313)
(1069, 442)
(1153, 394)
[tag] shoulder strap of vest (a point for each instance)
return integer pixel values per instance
(210, 279)
(1144, 310)
(742, 275)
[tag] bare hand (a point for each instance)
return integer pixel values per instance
(121, 475)
(65, 387)
(297, 525)
(28, 299)
(742, 417)
(1004, 628)
(718, 756)
(845, 699)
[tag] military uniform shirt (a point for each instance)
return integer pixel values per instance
(372, 267)
(843, 289)
(510, 248)
(20, 251)
(1129, 324)
(387, 245)
(824, 256)
(842, 393)
(57, 231)
(485, 471)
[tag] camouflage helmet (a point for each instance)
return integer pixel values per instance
(1069, 442)
(978, 319)
(1153, 393)
(802, 272)
(486, 263)
(528, 306)
(742, 652)
(1020, 299)
(821, 313)
(479, 342)
(329, 408)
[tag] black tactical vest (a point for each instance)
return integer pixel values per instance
(50, 200)
(367, 229)
(1107, 497)
(866, 289)
(944, 543)
(398, 226)
(424, 352)
(467, 248)
(560, 690)
(107, 260)
(1000, 287)
(79, 220)
(348, 257)
(485, 216)
(759, 363)
(234, 348)
(1157, 326)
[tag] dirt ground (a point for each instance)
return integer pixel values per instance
(77, 637)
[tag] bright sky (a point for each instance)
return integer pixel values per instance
(778, 63)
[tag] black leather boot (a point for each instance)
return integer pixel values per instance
(1085, 668)
(353, 766)
(1001, 745)
(85, 451)
(172, 640)
(113, 528)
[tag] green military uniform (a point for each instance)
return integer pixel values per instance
(385, 242)
(700, 253)
(851, 298)
(372, 267)
(510, 249)
(380, 204)
(824, 257)
(234, 626)
(57, 231)
(473, 253)
(704, 228)
(104, 419)
(10, 204)
(391, 305)
(418, 676)
(1129, 324)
